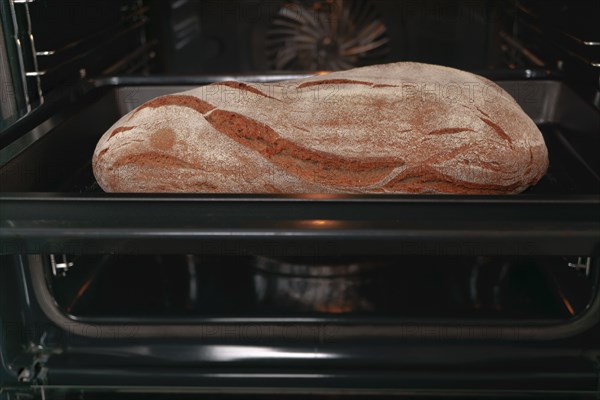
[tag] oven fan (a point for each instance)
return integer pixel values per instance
(326, 35)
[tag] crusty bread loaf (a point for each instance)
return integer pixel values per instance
(395, 128)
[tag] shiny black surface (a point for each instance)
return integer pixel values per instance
(283, 225)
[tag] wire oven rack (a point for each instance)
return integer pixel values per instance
(115, 45)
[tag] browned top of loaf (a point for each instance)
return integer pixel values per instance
(403, 127)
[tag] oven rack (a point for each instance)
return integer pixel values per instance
(544, 45)
(43, 69)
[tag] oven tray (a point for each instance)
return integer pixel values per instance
(50, 201)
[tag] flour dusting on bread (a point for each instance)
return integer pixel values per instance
(394, 128)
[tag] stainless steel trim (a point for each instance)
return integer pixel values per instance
(580, 265)
(143, 49)
(579, 40)
(15, 35)
(15, 148)
(60, 264)
(8, 102)
(335, 392)
(526, 52)
(123, 26)
(584, 59)
(87, 51)
(34, 56)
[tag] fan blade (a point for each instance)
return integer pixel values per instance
(288, 34)
(296, 27)
(372, 31)
(284, 57)
(298, 32)
(363, 16)
(365, 47)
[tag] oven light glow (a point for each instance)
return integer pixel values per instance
(237, 353)
(322, 223)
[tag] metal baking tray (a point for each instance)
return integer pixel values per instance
(50, 201)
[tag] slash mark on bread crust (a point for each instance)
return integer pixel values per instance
(119, 130)
(529, 165)
(483, 112)
(382, 85)
(416, 178)
(300, 128)
(442, 157)
(244, 86)
(101, 153)
(312, 165)
(309, 164)
(343, 81)
(177, 100)
(153, 159)
(445, 131)
(498, 129)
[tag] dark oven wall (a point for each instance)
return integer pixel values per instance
(74, 40)
(245, 36)
(251, 35)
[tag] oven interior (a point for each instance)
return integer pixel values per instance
(162, 287)
(514, 311)
(205, 285)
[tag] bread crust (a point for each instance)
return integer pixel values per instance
(392, 128)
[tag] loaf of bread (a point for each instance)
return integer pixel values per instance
(394, 128)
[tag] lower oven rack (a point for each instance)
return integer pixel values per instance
(67, 357)
(336, 328)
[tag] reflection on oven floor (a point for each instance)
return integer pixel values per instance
(428, 286)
